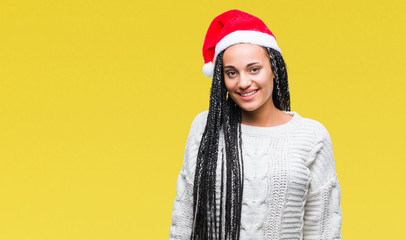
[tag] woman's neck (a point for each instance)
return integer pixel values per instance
(265, 116)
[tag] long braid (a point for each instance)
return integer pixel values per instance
(226, 115)
(280, 97)
(204, 211)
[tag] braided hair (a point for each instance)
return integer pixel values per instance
(211, 221)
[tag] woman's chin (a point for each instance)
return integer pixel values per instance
(248, 108)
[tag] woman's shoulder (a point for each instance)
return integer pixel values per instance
(315, 127)
(201, 117)
(199, 122)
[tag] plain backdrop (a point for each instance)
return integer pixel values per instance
(97, 98)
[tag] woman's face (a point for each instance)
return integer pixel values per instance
(248, 76)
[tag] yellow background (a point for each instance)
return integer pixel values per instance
(97, 97)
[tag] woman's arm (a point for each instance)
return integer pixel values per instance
(182, 213)
(323, 215)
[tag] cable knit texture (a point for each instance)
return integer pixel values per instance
(291, 189)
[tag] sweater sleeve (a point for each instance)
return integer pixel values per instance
(323, 215)
(182, 211)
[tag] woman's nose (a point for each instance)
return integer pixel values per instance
(244, 81)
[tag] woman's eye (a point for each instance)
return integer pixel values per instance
(230, 74)
(255, 69)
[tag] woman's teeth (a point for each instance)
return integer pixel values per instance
(249, 94)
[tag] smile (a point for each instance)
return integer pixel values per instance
(249, 94)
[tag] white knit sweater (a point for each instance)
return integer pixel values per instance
(291, 190)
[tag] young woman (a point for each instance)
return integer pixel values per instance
(253, 169)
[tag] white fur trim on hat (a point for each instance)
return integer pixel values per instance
(208, 69)
(246, 36)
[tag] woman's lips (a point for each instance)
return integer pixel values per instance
(246, 96)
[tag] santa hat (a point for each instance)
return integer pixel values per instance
(233, 27)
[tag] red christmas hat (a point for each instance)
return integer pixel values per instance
(233, 27)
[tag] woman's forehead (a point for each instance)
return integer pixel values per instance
(245, 52)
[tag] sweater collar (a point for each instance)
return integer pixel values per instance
(274, 130)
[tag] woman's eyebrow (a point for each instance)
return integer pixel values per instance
(249, 64)
(229, 66)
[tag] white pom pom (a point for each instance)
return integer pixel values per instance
(208, 69)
